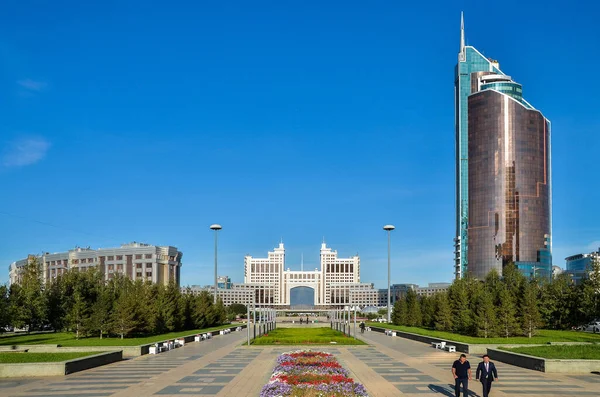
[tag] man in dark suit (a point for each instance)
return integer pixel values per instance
(486, 373)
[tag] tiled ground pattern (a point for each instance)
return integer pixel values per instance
(388, 367)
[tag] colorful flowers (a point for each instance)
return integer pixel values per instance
(310, 373)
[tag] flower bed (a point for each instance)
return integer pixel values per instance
(305, 373)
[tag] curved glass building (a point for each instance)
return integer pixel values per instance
(503, 181)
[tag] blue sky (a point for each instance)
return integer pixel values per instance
(126, 121)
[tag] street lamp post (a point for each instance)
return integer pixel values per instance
(388, 229)
(216, 227)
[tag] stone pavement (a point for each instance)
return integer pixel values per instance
(416, 369)
(389, 366)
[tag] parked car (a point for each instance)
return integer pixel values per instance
(594, 327)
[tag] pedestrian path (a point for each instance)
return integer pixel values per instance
(222, 367)
(412, 359)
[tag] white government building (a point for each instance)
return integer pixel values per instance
(335, 283)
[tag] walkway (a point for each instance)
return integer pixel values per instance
(223, 367)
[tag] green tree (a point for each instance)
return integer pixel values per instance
(187, 302)
(529, 308)
(5, 312)
(101, 311)
(169, 309)
(443, 313)
(512, 278)
(400, 312)
(559, 308)
(54, 297)
(220, 313)
(507, 313)
(486, 314)
(202, 310)
(458, 297)
(237, 308)
(29, 308)
(428, 310)
(79, 312)
(125, 313)
(414, 316)
(589, 293)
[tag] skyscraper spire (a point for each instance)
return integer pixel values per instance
(462, 32)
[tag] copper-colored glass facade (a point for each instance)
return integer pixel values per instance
(509, 184)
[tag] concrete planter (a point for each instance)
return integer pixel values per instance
(545, 364)
(59, 368)
(460, 347)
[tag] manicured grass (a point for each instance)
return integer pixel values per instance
(543, 336)
(17, 358)
(573, 352)
(68, 339)
(305, 336)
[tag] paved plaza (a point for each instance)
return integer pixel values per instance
(223, 367)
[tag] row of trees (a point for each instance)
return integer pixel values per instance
(505, 306)
(87, 305)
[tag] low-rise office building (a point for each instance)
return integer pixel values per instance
(579, 265)
(138, 261)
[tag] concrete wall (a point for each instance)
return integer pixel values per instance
(545, 364)
(128, 351)
(460, 347)
(59, 368)
(520, 360)
(81, 364)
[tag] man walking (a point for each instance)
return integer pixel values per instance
(486, 373)
(461, 370)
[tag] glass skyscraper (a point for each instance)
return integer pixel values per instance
(503, 202)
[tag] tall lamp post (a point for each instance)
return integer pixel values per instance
(388, 229)
(216, 227)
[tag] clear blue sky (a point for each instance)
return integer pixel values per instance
(126, 120)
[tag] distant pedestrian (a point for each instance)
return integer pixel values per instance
(300, 320)
(461, 370)
(486, 373)
(362, 327)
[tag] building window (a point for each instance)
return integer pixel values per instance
(148, 256)
(148, 265)
(119, 257)
(110, 258)
(138, 265)
(138, 256)
(75, 261)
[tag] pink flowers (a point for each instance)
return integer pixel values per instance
(313, 373)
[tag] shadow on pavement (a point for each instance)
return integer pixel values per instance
(448, 391)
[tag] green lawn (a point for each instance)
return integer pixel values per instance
(17, 358)
(543, 336)
(306, 336)
(68, 339)
(580, 352)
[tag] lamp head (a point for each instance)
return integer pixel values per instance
(216, 227)
(389, 227)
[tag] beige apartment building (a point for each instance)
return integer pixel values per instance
(138, 261)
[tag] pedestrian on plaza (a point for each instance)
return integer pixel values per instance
(300, 320)
(307, 319)
(461, 370)
(486, 373)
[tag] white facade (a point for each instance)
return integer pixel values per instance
(337, 282)
(158, 264)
